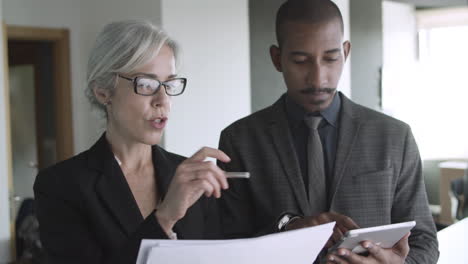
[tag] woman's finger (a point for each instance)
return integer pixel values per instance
(207, 152)
(192, 171)
(211, 179)
(203, 187)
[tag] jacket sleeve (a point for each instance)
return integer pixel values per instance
(65, 233)
(236, 205)
(410, 202)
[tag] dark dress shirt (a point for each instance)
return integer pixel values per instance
(328, 130)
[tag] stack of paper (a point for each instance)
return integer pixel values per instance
(297, 246)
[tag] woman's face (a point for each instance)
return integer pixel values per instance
(138, 118)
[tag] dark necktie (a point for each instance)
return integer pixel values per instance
(316, 172)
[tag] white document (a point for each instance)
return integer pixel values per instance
(296, 246)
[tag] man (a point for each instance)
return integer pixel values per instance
(354, 166)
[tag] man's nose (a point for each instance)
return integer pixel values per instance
(316, 77)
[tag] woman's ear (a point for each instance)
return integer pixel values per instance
(101, 94)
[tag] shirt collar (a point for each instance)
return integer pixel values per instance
(296, 113)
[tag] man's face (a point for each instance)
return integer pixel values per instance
(311, 59)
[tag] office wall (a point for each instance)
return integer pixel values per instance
(399, 38)
(367, 58)
(214, 37)
(267, 84)
(399, 33)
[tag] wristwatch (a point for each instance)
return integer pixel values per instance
(285, 219)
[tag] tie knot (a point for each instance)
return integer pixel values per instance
(313, 121)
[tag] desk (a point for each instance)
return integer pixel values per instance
(453, 242)
(449, 171)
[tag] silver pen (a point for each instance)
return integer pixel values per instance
(238, 175)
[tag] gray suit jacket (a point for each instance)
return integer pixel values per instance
(377, 177)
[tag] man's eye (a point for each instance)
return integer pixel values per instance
(331, 59)
(299, 60)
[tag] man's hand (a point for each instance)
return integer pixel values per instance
(377, 255)
(343, 224)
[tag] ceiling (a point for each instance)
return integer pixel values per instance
(435, 3)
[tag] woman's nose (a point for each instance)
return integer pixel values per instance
(160, 98)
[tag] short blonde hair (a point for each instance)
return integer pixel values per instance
(121, 47)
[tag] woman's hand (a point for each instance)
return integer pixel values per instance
(193, 178)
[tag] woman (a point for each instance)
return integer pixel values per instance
(97, 206)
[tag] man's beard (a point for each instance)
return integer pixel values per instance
(312, 90)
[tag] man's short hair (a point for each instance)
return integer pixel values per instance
(307, 11)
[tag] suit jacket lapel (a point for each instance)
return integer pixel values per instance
(165, 169)
(282, 140)
(349, 125)
(113, 188)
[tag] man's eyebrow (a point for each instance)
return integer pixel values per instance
(333, 51)
(298, 53)
(301, 53)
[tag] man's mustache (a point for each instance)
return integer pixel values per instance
(312, 90)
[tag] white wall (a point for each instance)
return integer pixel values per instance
(366, 52)
(400, 33)
(214, 37)
(267, 84)
(5, 245)
(399, 54)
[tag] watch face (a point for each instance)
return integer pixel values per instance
(283, 221)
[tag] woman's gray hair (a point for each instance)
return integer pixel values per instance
(121, 47)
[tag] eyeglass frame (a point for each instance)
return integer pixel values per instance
(134, 81)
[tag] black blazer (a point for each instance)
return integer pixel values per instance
(87, 212)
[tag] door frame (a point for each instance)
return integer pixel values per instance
(8, 147)
(60, 39)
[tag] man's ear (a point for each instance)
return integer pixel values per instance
(275, 54)
(346, 49)
(101, 94)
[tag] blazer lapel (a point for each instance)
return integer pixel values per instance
(282, 140)
(113, 188)
(349, 125)
(165, 169)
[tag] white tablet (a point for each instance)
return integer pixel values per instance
(385, 236)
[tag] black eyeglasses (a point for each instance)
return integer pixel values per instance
(147, 86)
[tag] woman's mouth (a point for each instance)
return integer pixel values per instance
(159, 123)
